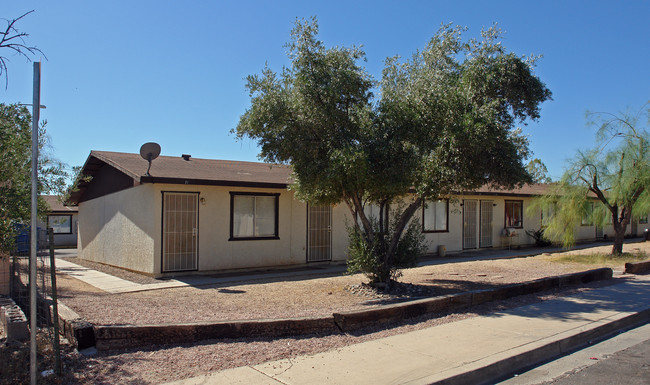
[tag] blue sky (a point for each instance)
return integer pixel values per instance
(122, 73)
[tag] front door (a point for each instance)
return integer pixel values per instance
(319, 233)
(486, 224)
(469, 223)
(180, 231)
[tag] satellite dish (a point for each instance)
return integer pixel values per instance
(149, 151)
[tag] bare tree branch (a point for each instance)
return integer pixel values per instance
(14, 40)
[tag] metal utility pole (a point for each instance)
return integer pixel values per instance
(33, 310)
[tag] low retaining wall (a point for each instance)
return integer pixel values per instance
(107, 337)
(127, 336)
(348, 321)
(79, 332)
(637, 268)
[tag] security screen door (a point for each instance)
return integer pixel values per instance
(319, 233)
(180, 231)
(469, 223)
(486, 224)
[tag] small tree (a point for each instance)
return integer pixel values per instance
(15, 171)
(444, 122)
(605, 185)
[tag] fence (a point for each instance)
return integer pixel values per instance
(47, 333)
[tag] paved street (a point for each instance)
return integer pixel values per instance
(624, 359)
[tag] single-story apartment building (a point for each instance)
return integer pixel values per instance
(205, 215)
(62, 219)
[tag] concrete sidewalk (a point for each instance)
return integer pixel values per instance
(472, 351)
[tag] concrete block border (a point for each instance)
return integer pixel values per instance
(13, 320)
(637, 267)
(109, 337)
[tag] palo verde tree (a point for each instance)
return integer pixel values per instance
(606, 185)
(444, 121)
(15, 171)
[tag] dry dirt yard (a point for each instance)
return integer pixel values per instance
(302, 297)
(294, 298)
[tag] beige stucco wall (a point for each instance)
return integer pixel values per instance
(125, 229)
(119, 229)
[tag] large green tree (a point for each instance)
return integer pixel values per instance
(606, 185)
(538, 171)
(443, 121)
(15, 171)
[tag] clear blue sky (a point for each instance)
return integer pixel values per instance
(121, 73)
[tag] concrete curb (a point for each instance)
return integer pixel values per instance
(79, 332)
(493, 372)
(348, 321)
(108, 337)
(637, 267)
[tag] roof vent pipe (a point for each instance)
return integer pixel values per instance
(186, 156)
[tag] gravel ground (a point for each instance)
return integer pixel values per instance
(293, 297)
(298, 297)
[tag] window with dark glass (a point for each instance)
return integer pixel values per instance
(514, 214)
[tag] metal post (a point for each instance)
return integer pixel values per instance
(55, 305)
(36, 104)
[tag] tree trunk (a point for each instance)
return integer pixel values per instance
(619, 237)
(399, 229)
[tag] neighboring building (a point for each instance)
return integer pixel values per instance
(214, 215)
(63, 220)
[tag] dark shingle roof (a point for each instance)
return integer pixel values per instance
(177, 170)
(56, 205)
(196, 169)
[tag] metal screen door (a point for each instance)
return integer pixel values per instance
(599, 232)
(180, 231)
(486, 224)
(319, 233)
(469, 224)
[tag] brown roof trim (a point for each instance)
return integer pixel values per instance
(205, 182)
(499, 194)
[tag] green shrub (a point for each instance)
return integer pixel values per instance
(373, 259)
(540, 239)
